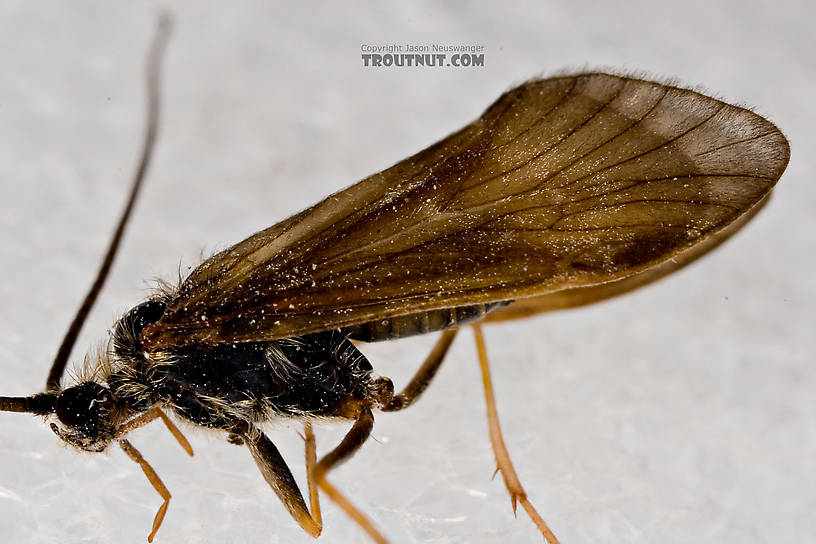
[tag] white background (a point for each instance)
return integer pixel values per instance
(682, 412)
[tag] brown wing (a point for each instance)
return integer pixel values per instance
(562, 183)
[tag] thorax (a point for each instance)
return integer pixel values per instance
(217, 386)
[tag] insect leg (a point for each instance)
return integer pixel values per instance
(279, 477)
(355, 438)
(311, 461)
(154, 480)
(503, 462)
(424, 375)
(180, 438)
(145, 418)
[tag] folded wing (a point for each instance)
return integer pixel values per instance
(562, 183)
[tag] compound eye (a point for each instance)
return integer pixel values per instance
(82, 406)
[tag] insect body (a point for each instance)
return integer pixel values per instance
(565, 191)
(225, 385)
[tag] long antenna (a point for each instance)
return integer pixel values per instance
(153, 73)
(40, 404)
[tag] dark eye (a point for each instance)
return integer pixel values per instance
(82, 406)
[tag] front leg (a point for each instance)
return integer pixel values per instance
(152, 414)
(154, 480)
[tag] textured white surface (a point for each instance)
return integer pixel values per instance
(682, 412)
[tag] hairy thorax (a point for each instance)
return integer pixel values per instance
(221, 386)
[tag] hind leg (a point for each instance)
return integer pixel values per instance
(424, 375)
(503, 462)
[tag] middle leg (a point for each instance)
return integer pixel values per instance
(359, 433)
(352, 442)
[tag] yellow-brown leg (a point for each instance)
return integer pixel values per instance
(311, 462)
(424, 375)
(503, 462)
(154, 480)
(279, 477)
(143, 419)
(355, 438)
(277, 474)
(359, 433)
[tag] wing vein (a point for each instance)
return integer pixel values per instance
(652, 150)
(729, 144)
(552, 147)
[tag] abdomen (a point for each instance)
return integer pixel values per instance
(420, 323)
